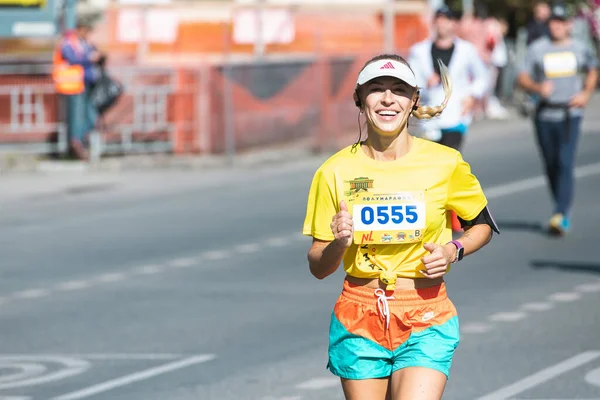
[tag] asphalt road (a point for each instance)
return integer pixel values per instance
(194, 285)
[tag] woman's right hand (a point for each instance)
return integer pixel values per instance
(342, 226)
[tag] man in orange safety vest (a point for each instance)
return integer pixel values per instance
(75, 70)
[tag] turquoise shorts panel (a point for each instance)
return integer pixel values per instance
(432, 348)
(354, 357)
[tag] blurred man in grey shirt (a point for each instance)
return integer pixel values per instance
(561, 73)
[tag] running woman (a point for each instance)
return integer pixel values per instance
(379, 206)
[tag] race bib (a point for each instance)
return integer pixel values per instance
(389, 218)
(560, 65)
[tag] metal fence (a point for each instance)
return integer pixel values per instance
(140, 122)
(28, 116)
(32, 114)
(304, 100)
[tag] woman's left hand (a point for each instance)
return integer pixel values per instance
(436, 263)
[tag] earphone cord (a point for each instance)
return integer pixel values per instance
(359, 133)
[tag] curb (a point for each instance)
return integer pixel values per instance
(150, 162)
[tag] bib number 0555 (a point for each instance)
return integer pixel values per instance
(388, 213)
(389, 217)
(381, 217)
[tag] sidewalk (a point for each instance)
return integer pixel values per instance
(29, 164)
(30, 180)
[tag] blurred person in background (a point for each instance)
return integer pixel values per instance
(76, 70)
(393, 330)
(538, 26)
(595, 25)
(562, 72)
(467, 71)
(590, 12)
(496, 30)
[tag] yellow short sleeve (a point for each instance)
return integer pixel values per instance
(321, 207)
(465, 195)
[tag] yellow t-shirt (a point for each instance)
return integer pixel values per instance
(396, 206)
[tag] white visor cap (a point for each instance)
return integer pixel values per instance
(391, 68)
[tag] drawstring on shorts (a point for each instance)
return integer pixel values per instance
(383, 306)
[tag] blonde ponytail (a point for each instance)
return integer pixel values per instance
(427, 112)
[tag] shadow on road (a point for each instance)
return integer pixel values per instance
(567, 265)
(521, 226)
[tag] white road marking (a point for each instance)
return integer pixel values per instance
(300, 236)
(215, 255)
(537, 306)
(277, 242)
(149, 269)
(135, 377)
(587, 170)
(278, 398)
(588, 287)
(127, 357)
(593, 377)
(541, 376)
(318, 383)
(31, 294)
(247, 248)
(55, 358)
(112, 277)
(475, 327)
(564, 297)
(524, 185)
(507, 316)
(70, 367)
(561, 297)
(73, 285)
(20, 370)
(182, 262)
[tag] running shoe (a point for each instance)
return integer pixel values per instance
(559, 225)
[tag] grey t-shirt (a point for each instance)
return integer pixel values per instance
(565, 66)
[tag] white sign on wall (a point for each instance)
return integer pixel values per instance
(160, 26)
(30, 28)
(144, 2)
(277, 26)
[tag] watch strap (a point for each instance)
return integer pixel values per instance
(459, 250)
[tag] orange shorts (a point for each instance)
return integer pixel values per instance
(374, 333)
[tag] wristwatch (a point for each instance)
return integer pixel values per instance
(460, 250)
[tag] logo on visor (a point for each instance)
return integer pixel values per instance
(387, 65)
